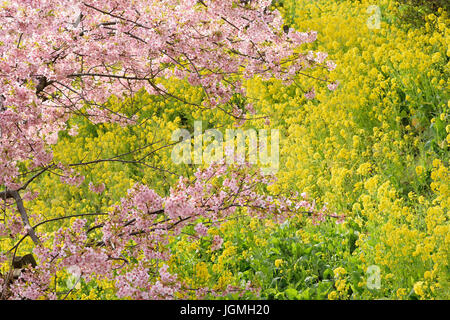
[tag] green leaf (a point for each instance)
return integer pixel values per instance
(292, 294)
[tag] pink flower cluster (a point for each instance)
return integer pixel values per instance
(60, 56)
(139, 230)
(99, 188)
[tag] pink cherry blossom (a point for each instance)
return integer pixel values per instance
(201, 230)
(99, 188)
(217, 243)
(310, 94)
(333, 85)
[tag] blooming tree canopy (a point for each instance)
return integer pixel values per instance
(65, 58)
(140, 228)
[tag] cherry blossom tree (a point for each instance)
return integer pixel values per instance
(147, 220)
(66, 58)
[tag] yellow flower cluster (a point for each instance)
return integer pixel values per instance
(376, 149)
(341, 285)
